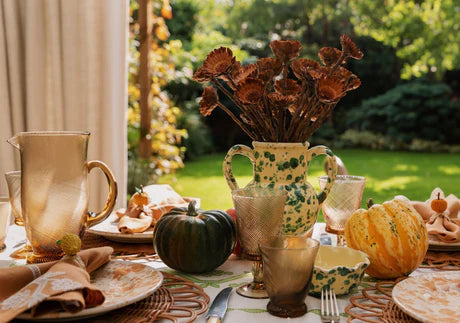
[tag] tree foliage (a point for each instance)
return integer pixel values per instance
(166, 137)
(425, 33)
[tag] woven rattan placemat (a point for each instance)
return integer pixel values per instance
(177, 300)
(139, 250)
(124, 251)
(442, 260)
(375, 305)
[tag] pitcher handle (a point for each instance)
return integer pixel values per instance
(113, 191)
(227, 164)
(331, 171)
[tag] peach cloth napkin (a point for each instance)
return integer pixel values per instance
(444, 226)
(53, 285)
(140, 218)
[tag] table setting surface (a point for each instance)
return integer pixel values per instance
(232, 273)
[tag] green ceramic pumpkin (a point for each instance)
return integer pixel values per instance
(194, 241)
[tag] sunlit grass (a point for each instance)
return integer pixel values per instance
(388, 174)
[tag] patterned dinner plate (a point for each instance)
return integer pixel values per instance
(435, 244)
(109, 230)
(433, 297)
(122, 283)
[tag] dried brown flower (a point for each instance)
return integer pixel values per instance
(268, 67)
(285, 50)
(342, 73)
(287, 87)
(218, 62)
(300, 67)
(329, 55)
(329, 90)
(318, 73)
(250, 91)
(241, 73)
(349, 48)
(272, 106)
(353, 83)
(201, 75)
(281, 101)
(209, 100)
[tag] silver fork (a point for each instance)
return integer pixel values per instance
(329, 307)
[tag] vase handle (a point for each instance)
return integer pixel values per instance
(227, 164)
(331, 170)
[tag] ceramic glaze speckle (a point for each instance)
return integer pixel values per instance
(339, 268)
(285, 165)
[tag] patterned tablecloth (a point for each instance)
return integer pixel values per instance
(233, 272)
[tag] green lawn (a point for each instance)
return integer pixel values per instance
(387, 173)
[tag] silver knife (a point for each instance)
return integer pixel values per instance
(218, 307)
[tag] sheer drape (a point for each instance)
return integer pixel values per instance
(63, 66)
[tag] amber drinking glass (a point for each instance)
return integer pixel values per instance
(288, 266)
(343, 199)
(5, 211)
(13, 180)
(259, 213)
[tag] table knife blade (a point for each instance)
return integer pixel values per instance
(218, 307)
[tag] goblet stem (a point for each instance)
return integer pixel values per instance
(256, 288)
(340, 240)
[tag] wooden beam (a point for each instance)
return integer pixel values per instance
(145, 78)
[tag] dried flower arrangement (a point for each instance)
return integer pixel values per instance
(274, 107)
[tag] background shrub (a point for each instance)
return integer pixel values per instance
(418, 109)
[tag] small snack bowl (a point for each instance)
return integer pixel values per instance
(339, 268)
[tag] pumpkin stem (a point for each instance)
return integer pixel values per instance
(370, 202)
(439, 195)
(192, 208)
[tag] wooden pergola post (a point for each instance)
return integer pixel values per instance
(145, 79)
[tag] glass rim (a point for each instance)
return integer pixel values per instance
(13, 173)
(270, 189)
(344, 178)
(266, 245)
(54, 133)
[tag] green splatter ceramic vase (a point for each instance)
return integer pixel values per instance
(285, 165)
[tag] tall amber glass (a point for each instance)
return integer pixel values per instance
(5, 211)
(54, 188)
(288, 267)
(13, 180)
(259, 214)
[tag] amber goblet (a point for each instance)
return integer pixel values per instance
(259, 213)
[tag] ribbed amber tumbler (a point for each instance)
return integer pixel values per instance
(288, 266)
(13, 180)
(259, 213)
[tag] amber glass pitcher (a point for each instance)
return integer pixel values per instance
(54, 188)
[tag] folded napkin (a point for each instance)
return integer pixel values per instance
(444, 228)
(63, 284)
(425, 210)
(138, 218)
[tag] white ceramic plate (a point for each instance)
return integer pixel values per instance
(433, 297)
(437, 245)
(122, 283)
(109, 230)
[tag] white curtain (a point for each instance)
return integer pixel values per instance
(63, 66)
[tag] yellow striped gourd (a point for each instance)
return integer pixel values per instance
(392, 234)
